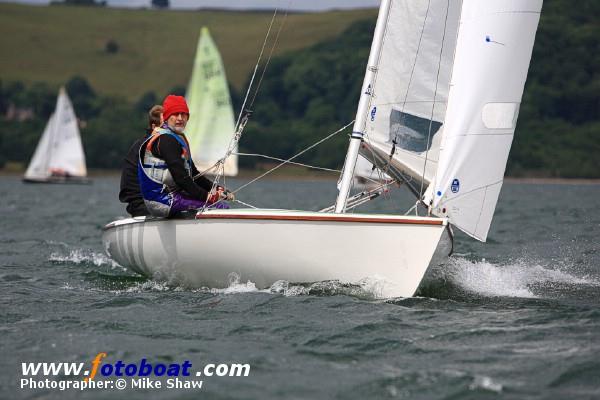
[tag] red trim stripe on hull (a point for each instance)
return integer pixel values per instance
(325, 218)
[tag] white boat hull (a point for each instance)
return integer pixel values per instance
(264, 246)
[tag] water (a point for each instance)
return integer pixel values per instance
(516, 318)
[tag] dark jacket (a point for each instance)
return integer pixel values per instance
(130, 188)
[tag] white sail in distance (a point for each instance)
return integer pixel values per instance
(59, 150)
(492, 57)
(211, 122)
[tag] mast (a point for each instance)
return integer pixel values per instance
(358, 129)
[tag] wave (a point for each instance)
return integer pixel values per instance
(456, 278)
(365, 290)
(85, 257)
(522, 278)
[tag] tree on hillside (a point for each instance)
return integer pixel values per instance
(83, 97)
(160, 3)
(101, 3)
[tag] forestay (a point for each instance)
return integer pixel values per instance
(409, 95)
(493, 51)
(59, 148)
(211, 121)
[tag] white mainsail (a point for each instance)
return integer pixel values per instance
(493, 52)
(409, 95)
(445, 99)
(59, 150)
(211, 121)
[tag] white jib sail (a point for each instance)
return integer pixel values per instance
(409, 96)
(59, 149)
(211, 121)
(492, 57)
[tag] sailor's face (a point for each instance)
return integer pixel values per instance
(177, 122)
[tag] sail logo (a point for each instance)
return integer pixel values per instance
(369, 91)
(455, 186)
(373, 112)
(489, 39)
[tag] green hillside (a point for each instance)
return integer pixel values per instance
(311, 87)
(155, 48)
(314, 91)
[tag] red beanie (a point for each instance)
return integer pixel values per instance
(173, 105)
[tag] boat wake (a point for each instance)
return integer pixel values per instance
(522, 278)
(366, 289)
(122, 280)
(458, 277)
(85, 257)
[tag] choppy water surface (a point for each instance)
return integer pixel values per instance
(516, 318)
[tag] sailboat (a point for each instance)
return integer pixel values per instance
(211, 120)
(59, 156)
(437, 111)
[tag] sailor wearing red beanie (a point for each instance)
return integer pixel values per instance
(180, 186)
(174, 105)
(175, 113)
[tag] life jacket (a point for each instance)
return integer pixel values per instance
(156, 182)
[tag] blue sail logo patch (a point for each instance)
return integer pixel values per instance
(455, 187)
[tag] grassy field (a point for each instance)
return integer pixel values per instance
(156, 48)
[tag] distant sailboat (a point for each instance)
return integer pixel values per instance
(211, 121)
(59, 156)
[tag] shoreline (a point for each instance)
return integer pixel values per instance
(552, 181)
(308, 176)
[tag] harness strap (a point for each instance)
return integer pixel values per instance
(157, 166)
(182, 140)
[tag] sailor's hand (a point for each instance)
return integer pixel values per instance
(225, 194)
(229, 196)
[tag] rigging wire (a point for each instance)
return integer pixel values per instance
(437, 80)
(270, 54)
(245, 204)
(405, 101)
(375, 70)
(287, 161)
(295, 156)
(243, 116)
(363, 197)
(245, 113)
(262, 50)
(366, 138)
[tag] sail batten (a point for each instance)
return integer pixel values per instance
(211, 123)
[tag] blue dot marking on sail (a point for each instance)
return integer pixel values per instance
(488, 39)
(373, 112)
(455, 187)
(439, 192)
